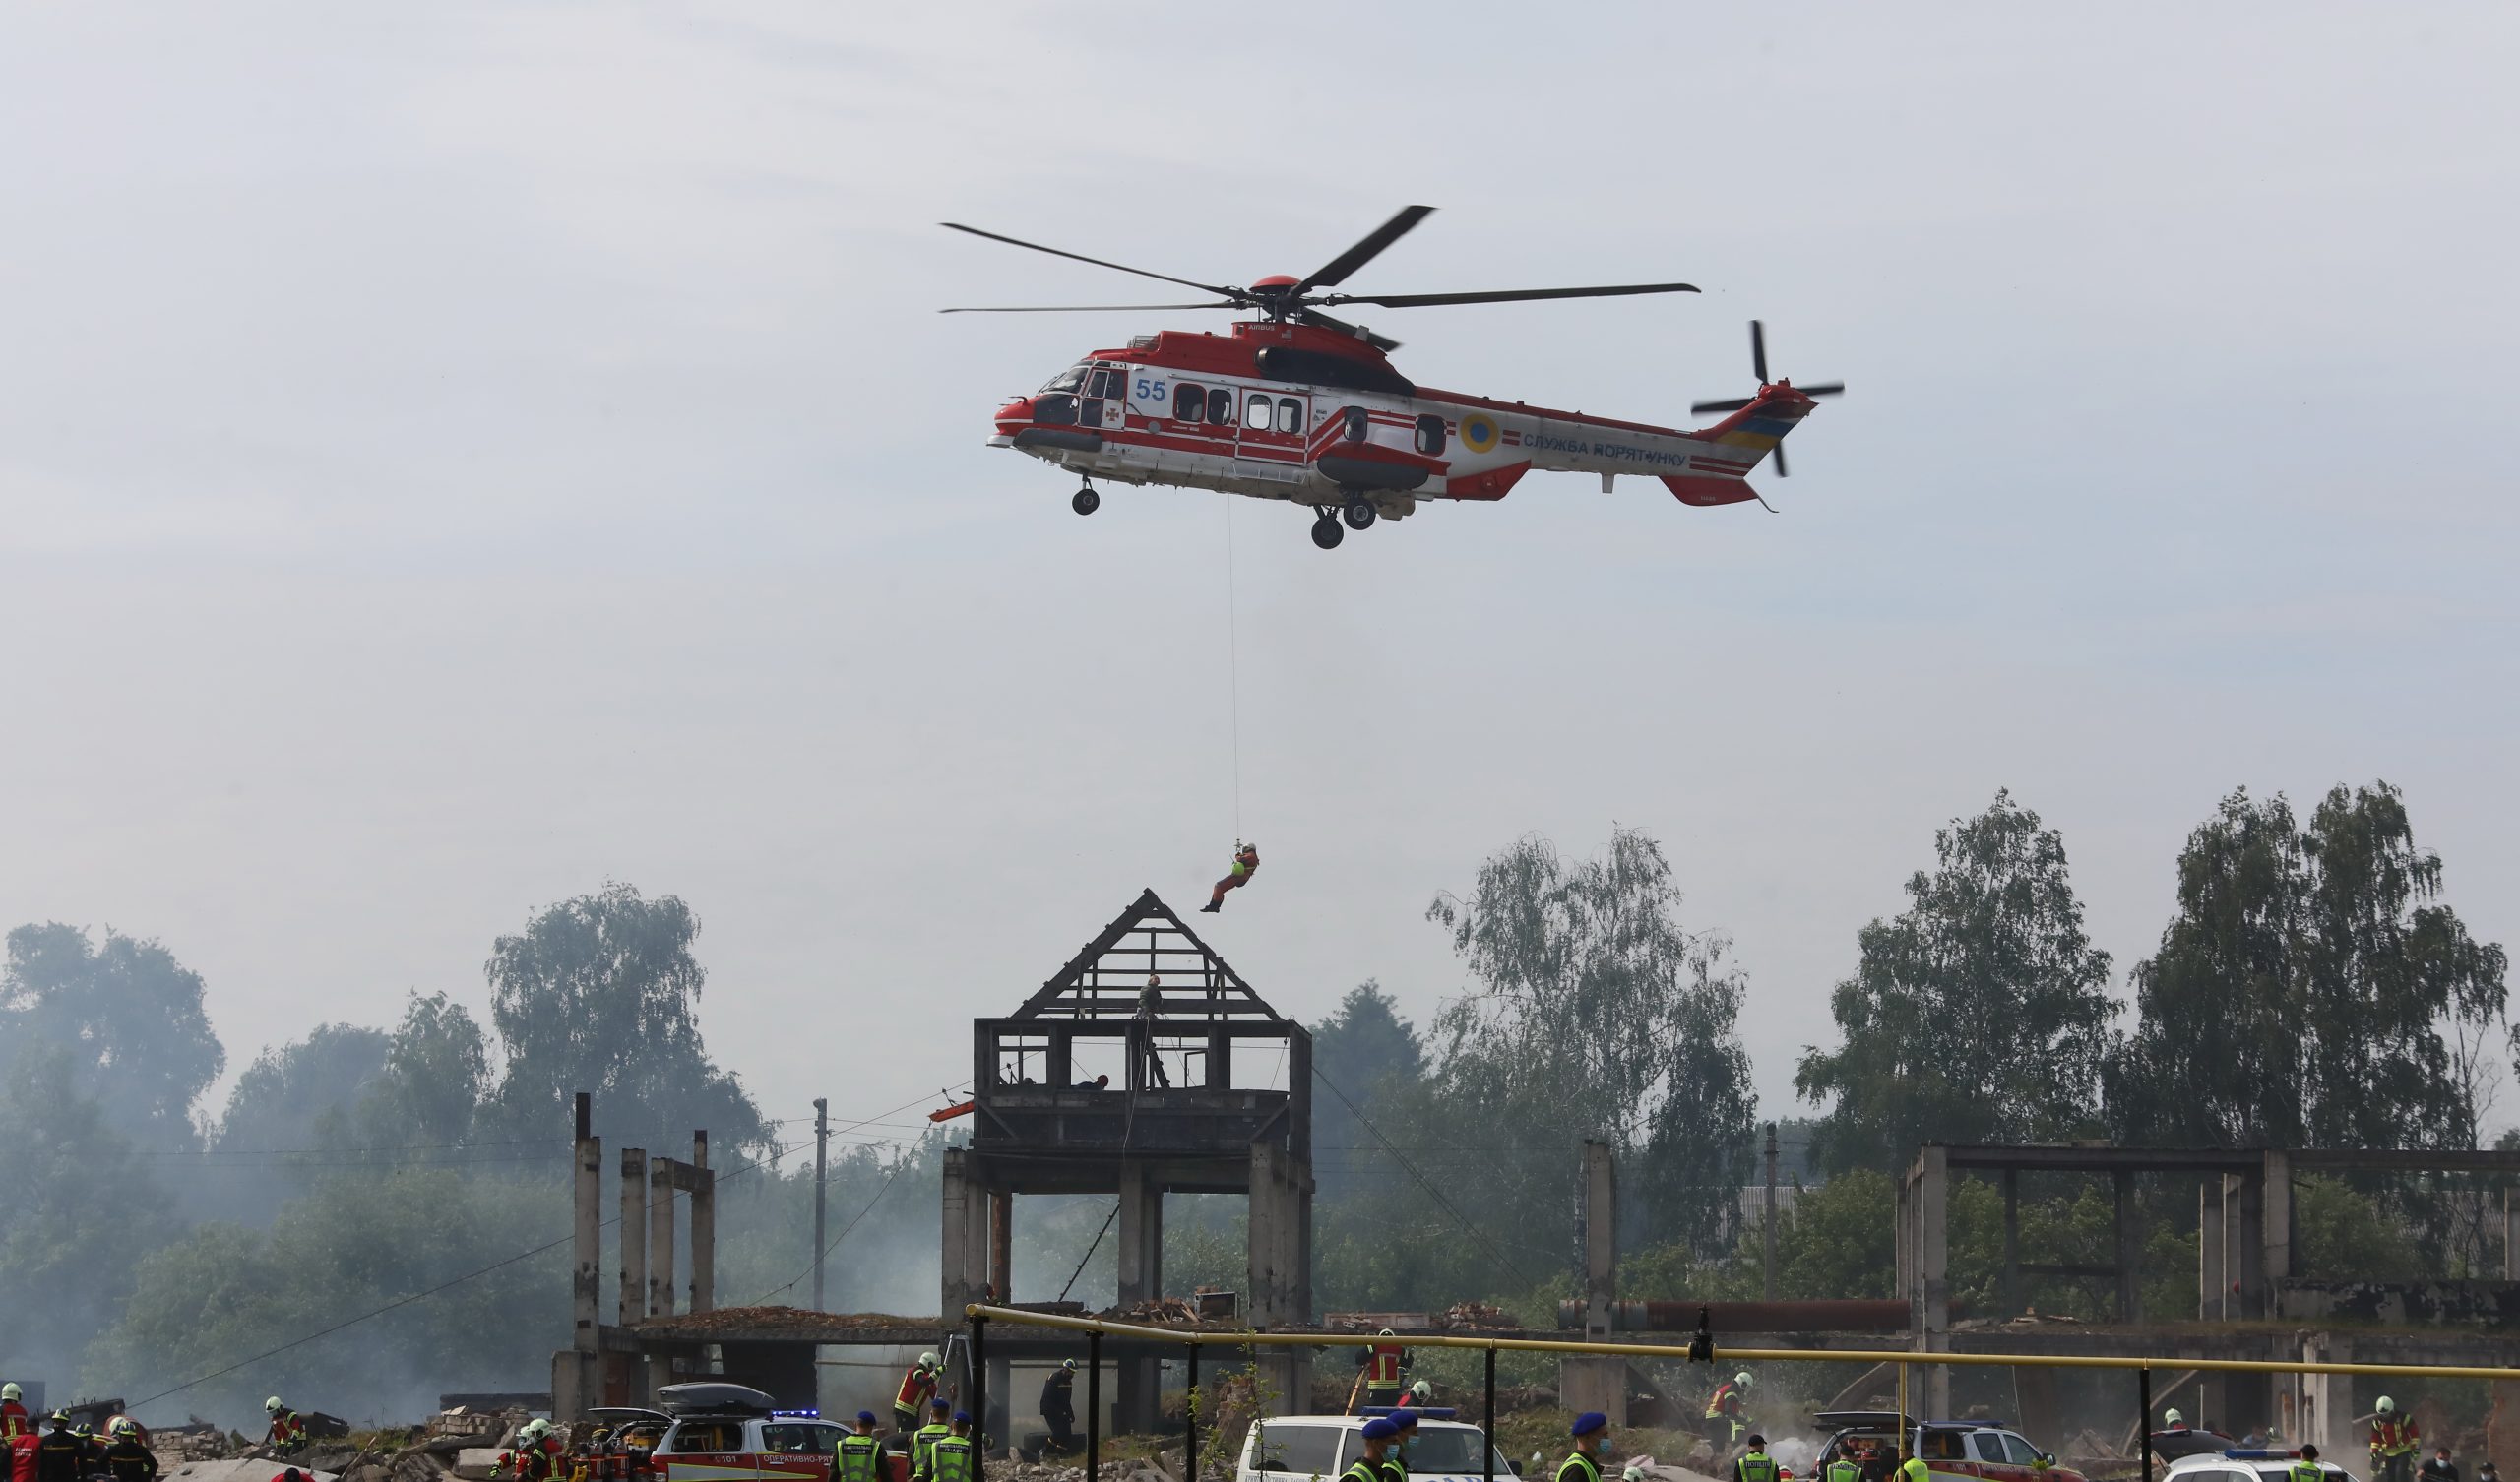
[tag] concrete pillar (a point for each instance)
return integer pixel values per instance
(2275, 1266)
(2326, 1415)
(1001, 1246)
(2248, 1243)
(1594, 1382)
(1263, 1289)
(959, 1280)
(634, 1234)
(1140, 1257)
(2510, 1255)
(2130, 1250)
(660, 1238)
(1933, 1270)
(2035, 1387)
(703, 1227)
(1598, 1229)
(2014, 1303)
(584, 1374)
(2212, 1283)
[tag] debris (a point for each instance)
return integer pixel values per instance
(1478, 1315)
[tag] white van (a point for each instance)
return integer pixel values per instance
(1289, 1447)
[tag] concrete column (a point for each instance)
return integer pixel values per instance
(2212, 1283)
(2326, 1416)
(2248, 1243)
(2014, 1303)
(1594, 1382)
(1264, 1287)
(2510, 1256)
(1141, 1258)
(2276, 1264)
(585, 1380)
(1933, 1270)
(2130, 1252)
(634, 1234)
(660, 1238)
(959, 1283)
(1002, 1251)
(1599, 1234)
(703, 1227)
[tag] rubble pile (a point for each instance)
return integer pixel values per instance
(1477, 1315)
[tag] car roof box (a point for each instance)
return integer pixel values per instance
(711, 1398)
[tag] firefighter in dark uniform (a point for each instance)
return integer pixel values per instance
(1059, 1405)
(61, 1456)
(128, 1457)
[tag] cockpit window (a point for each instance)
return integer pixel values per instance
(1070, 378)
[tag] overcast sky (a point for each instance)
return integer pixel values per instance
(452, 456)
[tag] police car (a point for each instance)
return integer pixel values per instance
(722, 1433)
(2246, 1466)
(1983, 1450)
(1289, 1447)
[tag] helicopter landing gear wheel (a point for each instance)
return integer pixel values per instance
(1085, 501)
(1326, 533)
(1360, 514)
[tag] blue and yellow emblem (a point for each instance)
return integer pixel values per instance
(1478, 432)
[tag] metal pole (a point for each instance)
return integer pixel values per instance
(1093, 1406)
(1191, 1419)
(1768, 1226)
(2144, 1424)
(822, 1181)
(1488, 1456)
(979, 1396)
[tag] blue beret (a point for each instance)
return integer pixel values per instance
(868, 1416)
(1380, 1428)
(962, 1417)
(1589, 1422)
(940, 1404)
(1406, 1419)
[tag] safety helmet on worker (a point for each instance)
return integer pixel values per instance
(272, 1406)
(10, 1393)
(123, 1425)
(930, 1361)
(2169, 1418)
(1387, 1333)
(2387, 1406)
(1742, 1379)
(1422, 1390)
(1068, 1364)
(59, 1418)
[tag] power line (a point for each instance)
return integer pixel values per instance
(898, 1168)
(1090, 1250)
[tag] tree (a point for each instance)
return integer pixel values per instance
(2303, 989)
(1593, 1013)
(1980, 1014)
(436, 1071)
(80, 1212)
(600, 994)
(126, 1016)
(1364, 1051)
(282, 1101)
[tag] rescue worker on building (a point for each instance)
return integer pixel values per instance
(1246, 860)
(1755, 1465)
(14, 1421)
(2307, 1467)
(61, 1456)
(919, 1386)
(1421, 1394)
(1059, 1405)
(127, 1456)
(1378, 1434)
(1383, 1364)
(2394, 1443)
(1727, 1411)
(287, 1433)
(1592, 1432)
(859, 1456)
(922, 1442)
(2438, 1467)
(955, 1457)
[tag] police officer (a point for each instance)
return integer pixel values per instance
(1911, 1468)
(922, 1446)
(953, 1458)
(859, 1456)
(1592, 1432)
(1395, 1461)
(1846, 1467)
(1368, 1468)
(2308, 1468)
(1755, 1465)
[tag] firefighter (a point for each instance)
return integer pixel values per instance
(61, 1456)
(1755, 1465)
(859, 1457)
(127, 1456)
(287, 1433)
(21, 1457)
(919, 1386)
(1059, 1405)
(1246, 860)
(1369, 1467)
(1592, 1432)
(14, 1421)
(923, 1443)
(1383, 1364)
(954, 1457)
(2307, 1468)
(1727, 1411)
(2394, 1443)
(1421, 1394)
(2173, 1423)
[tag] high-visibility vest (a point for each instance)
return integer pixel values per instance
(1916, 1470)
(2394, 1436)
(1360, 1471)
(922, 1448)
(917, 1386)
(1578, 1469)
(1382, 1366)
(1843, 1470)
(857, 1458)
(1758, 1466)
(950, 1458)
(1724, 1401)
(2305, 1471)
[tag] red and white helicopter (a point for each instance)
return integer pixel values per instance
(1298, 406)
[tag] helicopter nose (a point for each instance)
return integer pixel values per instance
(1014, 416)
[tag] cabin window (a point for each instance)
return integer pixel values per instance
(1289, 415)
(1189, 403)
(1430, 435)
(1357, 422)
(1070, 378)
(1098, 384)
(1220, 406)
(1255, 412)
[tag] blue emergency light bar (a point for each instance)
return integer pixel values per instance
(1423, 1412)
(799, 1414)
(2261, 1455)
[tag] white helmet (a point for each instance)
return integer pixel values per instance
(1422, 1390)
(1742, 1379)
(10, 1393)
(1068, 1364)
(930, 1361)
(122, 1425)
(2169, 1418)
(271, 1407)
(1387, 1333)
(2387, 1406)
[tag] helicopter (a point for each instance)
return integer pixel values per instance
(1298, 406)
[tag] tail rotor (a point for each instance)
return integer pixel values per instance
(1759, 368)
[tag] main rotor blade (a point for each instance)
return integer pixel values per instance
(1335, 270)
(1237, 294)
(1736, 403)
(1759, 351)
(1504, 296)
(1780, 460)
(1321, 321)
(1091, 308)
(1824, 388)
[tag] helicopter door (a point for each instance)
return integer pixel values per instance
(1106, 397)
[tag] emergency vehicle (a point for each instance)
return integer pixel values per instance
(1983, 1450)
(734, 1433)
(1291, 1446)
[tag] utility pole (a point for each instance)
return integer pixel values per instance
(1768, 1226)
(822, 1181)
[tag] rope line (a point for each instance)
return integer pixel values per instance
(1234, 666)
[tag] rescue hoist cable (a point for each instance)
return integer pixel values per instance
(1233, 668)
